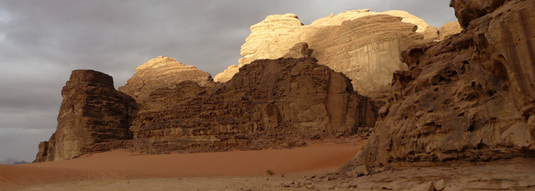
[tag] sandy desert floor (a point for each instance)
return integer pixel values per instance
(305, 168)
(121, 170)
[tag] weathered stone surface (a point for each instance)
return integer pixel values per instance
(162, 72)
(368, 58)
(514, 174)
(449, 29)
(468, 10)
(92, 112)
(227, 74)
(468, 98)
(45, 148)
(363, 45)
(269, 103)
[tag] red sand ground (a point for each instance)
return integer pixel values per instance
(125, 165)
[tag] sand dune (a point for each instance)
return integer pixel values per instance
(118, 165)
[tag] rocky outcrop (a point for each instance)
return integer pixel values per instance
(468, 10)
(363, 45)
(269, 103)
(162, 72)
(227, 74)
(92, 113)
(449, 29)
(467, 98)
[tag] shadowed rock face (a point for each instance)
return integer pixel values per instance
(468, 10)
(91, 112)
(267, 104)
(470, 97)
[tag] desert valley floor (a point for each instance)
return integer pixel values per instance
(121, 169)
(313, 167)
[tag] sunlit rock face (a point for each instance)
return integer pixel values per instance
(162, 72)
(470, 97)
(363, 45)
(449, 29)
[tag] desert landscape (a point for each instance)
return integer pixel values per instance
(119, 165)
(360, 100)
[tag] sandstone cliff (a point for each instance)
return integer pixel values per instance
(269, 103)
(468, 98)
(363, 45)
(92, 112)
(162, 72)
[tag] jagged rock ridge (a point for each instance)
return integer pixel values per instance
(267, 104)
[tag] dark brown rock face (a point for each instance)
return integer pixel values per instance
(92, 115)
(269, 103)
(470, 97)
(468, 10)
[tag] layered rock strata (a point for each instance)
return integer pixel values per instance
(92, 113)
(269, 103)
(363, 45)
(162, 72)
(469, 97)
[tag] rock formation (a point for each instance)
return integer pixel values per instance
(363, 45)
(449, 29)
(92, 112)
(468, 10)
(162, 72)
(269, 103)
(467, 98)
(227, 74)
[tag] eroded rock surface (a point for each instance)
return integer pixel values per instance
(468, 10)
(92, 114)
(449, 29)
(269, 103)
(468, 98)
(363, 45)
(162, 72)
(227, 74)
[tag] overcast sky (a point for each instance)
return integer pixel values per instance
(41, 42)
